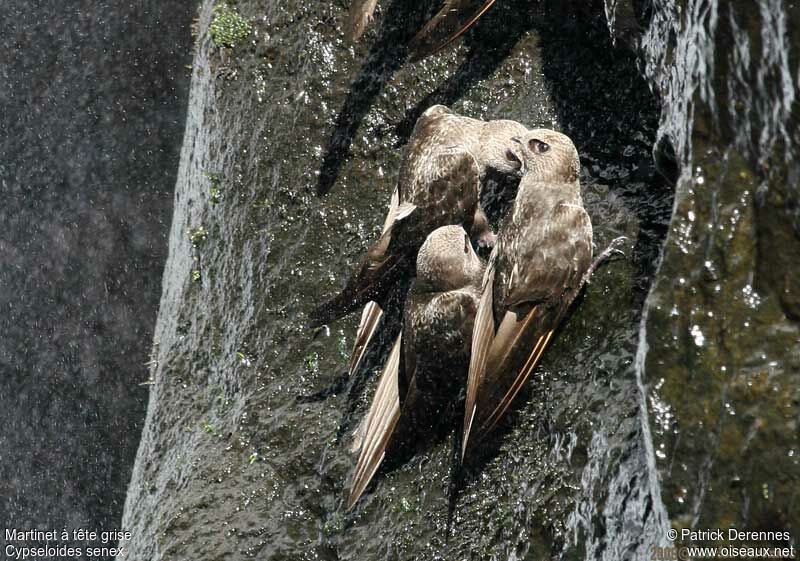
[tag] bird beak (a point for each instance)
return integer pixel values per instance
(515, 160)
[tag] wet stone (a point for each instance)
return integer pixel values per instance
(574, 471)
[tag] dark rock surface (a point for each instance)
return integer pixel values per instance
(92, 104)
(627, 426)
(230, 463)
(722, 353)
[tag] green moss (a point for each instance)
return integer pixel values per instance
(197, 235)
(215, 189)
(228, 28)
(311, 362)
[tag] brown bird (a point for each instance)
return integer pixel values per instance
(449, 23)
(440, 182)
(543, 154)
(542, 259)
(428, 363)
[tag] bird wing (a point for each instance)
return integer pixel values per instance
(372, 313)
(482, 338)
(446, 193)
(375, 432)
(438, 334)
(361, 15)
(375, 272)
(516, 349)
(376, 268)
(455, 17)
(394, 204)
(443, 192)
(370, 318)
(538, 293)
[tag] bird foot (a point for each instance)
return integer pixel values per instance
(487, 240)
(606, 254)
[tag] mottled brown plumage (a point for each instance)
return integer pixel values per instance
(440, 181)
(548, 155)
(542, 259)
(536, 269)
(361, 15)
(428, 362)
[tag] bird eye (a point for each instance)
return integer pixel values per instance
(538, 146)
(511, 157)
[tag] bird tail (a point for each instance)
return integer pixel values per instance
(376, 430)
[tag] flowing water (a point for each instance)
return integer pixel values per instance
(655, 387)
(721, 354)
(92, 108)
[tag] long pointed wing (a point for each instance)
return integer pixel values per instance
(361, 15)
(482, 338)
(455, 17)
(394, 204)
(362, 287)
(377, 428)
(516, 349)
(371, 316)
(375, 267)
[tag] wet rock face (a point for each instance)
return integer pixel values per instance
(231, 464)
(92, 102)
(723, 340)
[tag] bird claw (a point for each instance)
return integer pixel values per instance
(487, 240)
(609, 251)
(612, 248)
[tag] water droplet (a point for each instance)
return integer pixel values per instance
(699, 338)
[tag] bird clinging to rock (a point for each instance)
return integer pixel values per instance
(440, 183)
(542, 259)
(428, 363)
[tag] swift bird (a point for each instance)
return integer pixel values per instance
(428, 362)
(542, 259)
(543, 154)
(440, 182)
(449, 23)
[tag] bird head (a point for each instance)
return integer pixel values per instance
(498, 151)
(446, 260)
(548, 155)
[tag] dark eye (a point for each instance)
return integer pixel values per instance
(466, 243)
(538, 146)
(511, 157)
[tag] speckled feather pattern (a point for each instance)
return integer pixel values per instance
(537, 267)
(444, 164)
(436, 342)
(544, 248)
